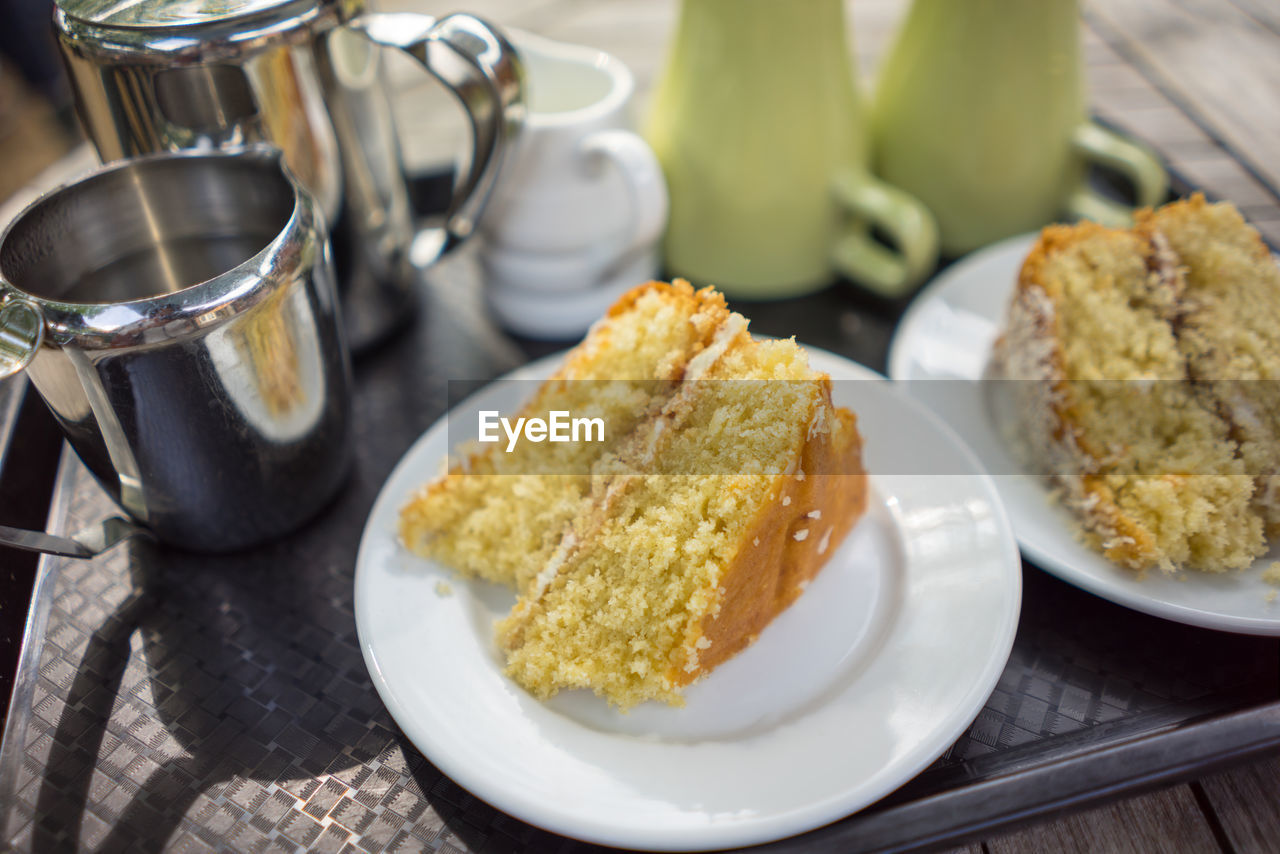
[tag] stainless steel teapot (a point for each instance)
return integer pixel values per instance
(305, 76)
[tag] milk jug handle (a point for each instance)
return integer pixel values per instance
(21, 332)
(642, 174)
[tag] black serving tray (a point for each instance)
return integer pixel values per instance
(166, 700)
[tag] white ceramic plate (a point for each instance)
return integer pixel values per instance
(868, 678)
(947, 335)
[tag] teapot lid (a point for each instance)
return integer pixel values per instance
(146, 14)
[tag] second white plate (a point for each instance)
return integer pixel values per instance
(938, 356)
(862, 683)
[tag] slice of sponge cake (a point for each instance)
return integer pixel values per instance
(679, 568)
(723, 488)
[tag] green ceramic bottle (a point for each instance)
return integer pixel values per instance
(980, 111)
(759, 129)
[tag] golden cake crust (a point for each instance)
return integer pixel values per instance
(784, 547)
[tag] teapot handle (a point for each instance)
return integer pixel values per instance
(483, 71)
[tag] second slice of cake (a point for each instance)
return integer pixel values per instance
(1145, 364)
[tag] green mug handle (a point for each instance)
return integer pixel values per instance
(1136, 162)
(901, 218)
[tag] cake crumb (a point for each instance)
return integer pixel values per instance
(444, 588)
(814, 514)
(786, 500)
(801, 534)
(1271, 574)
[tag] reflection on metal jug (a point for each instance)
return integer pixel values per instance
(206, 100)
